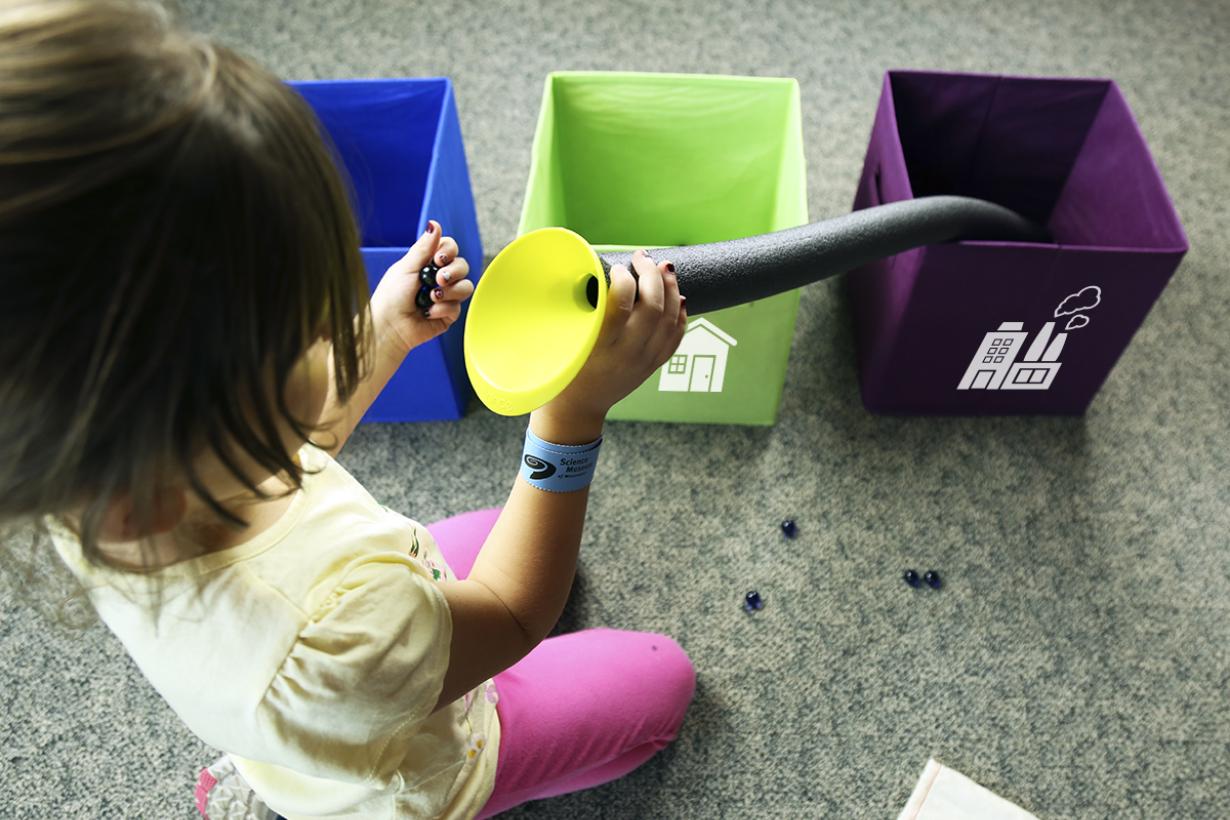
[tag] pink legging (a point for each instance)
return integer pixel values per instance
(581, 709)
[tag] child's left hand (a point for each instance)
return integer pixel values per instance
(394, 313)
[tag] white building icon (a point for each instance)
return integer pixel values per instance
(994, 366)
(699, 364)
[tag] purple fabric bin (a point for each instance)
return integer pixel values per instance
(972, 328)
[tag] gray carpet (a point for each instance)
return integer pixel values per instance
(1077, 661)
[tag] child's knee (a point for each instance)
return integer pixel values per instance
(676, 674)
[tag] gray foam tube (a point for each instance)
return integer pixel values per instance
(723, 274)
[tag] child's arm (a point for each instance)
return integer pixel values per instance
(521, 578)
(398, 326)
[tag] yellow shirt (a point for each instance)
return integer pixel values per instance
(313, 654)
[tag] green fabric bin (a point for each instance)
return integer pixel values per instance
(655, 160)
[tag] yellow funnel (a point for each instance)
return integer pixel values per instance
(534, 319)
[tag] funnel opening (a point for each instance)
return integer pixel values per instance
(591, 291)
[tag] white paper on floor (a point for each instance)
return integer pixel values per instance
(946, 794)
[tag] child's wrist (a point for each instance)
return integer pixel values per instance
(558, 468)
(560, 425)
(388, 339)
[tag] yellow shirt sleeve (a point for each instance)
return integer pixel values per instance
(366, 669)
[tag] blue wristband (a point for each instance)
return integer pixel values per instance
(558, 468)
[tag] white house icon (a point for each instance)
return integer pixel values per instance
(699, 364)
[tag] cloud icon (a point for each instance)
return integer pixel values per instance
(1085, 299)
(1077, 321)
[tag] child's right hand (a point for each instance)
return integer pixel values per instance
(638, 335)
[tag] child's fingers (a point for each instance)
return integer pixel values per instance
(670, 301)
(455, 271)
(420, 252)
(458, 292)
(668, 332)
(667, 342)
(621, 294)
(444, 311)
(651, 295)
(445, 253)
(649, 280)
(681, 313)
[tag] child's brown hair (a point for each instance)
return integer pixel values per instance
(174, 234)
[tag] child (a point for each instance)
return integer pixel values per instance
(187, 343)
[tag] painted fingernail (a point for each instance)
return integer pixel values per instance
(438, 294)
(683, 300)
(447, 277)
(443, 258)
(670, 266)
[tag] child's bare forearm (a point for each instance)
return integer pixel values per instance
(529, 559)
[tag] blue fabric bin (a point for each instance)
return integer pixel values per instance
(400, 143)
